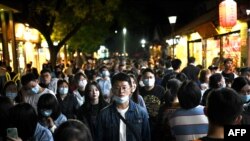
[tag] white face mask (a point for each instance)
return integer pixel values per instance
(141, 83)
(149, 82)
(82, 84)
(224, 85)
(63, 91)
(105, 74)
(120, 100)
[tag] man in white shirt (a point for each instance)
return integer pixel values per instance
(31, 90)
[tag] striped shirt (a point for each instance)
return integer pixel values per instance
(189, 124)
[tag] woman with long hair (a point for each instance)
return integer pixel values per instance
(94, 102)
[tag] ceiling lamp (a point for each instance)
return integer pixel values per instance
(228, 14)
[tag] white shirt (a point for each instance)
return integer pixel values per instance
(122, 131)
(105, 85)
(80, 99)
(32, 99)
(53, 84)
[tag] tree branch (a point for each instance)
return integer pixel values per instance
(72, 32)
(76, 28)
(52, 22)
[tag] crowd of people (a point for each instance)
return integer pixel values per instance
(123, 100)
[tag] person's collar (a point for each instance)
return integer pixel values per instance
(192, 64)
(123, 106)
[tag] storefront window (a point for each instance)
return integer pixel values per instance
(231, 48)
(196, 52)
(213, 52)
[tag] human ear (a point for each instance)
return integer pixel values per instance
(205, 110)
(237, 120)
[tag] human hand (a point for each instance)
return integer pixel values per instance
(50, 122)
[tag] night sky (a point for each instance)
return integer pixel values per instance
(143, 17)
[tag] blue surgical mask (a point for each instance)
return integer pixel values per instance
(63, 91)
(11, 95)
(120, 100)
(35, 89)
(245, 98)
(46, 113)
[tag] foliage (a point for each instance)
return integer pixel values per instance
(89, 37)
(60, 20)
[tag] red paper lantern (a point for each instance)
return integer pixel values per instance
(228, 13)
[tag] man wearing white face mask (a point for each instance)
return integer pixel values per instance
(123, 120)
(81, 82)
(153, 96)
(31, 90)
(105, 83)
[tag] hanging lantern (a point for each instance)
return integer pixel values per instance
(228, 13)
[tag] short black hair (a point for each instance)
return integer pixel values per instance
(6, 85)
(228, 60)
(223, 106)
(48, 101)
(239, 83)
(45, 71)
(121, 77)
(147, 70)
(203, 74)
(244, 71)
(214, 80)
(78, 75)
(72, 130)
(60, 82)
(5, 105)
(25, 79)
(189, 95)
(103, 67)
(191, 60)
(213, 67)
(168, 64)
(23, 116)
(181, 76)
(172, 87)
(176, 64)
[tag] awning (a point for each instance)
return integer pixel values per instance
(207, 30)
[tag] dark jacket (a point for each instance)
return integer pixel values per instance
(108, 123)
(69, 105)
(88, 113)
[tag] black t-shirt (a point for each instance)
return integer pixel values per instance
(153, 99)
(229, 77)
